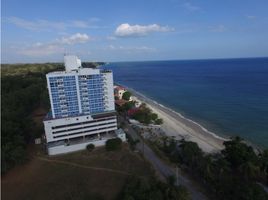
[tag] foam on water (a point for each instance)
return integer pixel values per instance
(225, 97)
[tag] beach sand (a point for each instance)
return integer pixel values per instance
(180, 127)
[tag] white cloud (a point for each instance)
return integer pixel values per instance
(39, 49)
(126, 30)
(251, 16)
(191, 7)
(220, 28)
(54, 47)
(74, 39)
(129, 49)
(111, 38)
(45, 25)
(79, 24)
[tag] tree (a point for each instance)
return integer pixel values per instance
(152, 189)
(126, 96)
(159, 121)
(237, 153)
(190, 153)
(263, 159)
(127, 106)
(183, 193)
(113, 144)
(154, 116)
(230, 174)
(169, 145)
(171, 180)
(23, 90)
(206, 168)
(90, 147)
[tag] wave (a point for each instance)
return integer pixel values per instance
(148, 100)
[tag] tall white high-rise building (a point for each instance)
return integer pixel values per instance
(82, 108)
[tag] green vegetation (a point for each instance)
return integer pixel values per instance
(23, 91)
(143, 113)
(171, 180)
(154, 116)
(90, 147)
(132, 142)
(152, 189)
(146, 116)
(234, 173)
(128, 105)
(24, 70)
(125, 107)
(126, 96)
(159, 121)
(92, 64)
(113, 144)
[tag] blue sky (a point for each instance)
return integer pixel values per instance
(131, 30)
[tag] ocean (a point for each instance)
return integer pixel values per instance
(227, 96)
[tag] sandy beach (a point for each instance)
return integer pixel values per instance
(180, 127)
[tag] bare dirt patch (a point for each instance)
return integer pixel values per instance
(91, 175)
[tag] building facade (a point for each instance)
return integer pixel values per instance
(119, 91)
(82, 108)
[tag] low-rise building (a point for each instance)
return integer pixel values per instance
(119, 91)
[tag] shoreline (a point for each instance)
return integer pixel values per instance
(179, 126)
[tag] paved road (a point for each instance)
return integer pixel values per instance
(162, 168)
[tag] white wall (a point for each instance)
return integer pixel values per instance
(61, 149)
(110, 91)
(71, 62)
(72, 148)
(48, 124)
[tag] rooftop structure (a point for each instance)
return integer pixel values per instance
(71, 62)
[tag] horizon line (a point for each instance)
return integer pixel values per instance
(186, 59)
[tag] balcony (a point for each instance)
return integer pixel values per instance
(83, 88)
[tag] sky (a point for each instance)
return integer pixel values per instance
(132, 30)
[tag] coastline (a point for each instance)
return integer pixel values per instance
(178, 126)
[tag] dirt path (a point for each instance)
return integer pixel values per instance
(82, 166)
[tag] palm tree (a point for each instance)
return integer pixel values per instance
(263, 158)
(249, 170)
(207, 168)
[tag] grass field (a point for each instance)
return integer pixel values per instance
(81, 175)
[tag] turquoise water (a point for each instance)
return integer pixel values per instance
(227, 96)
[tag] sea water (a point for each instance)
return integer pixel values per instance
(227, 96)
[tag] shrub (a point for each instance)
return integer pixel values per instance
(126, 96)
(171, 180)
(151, 188)
(90, 147)
(154, 116)
(159, 121)
(132, 142)
(113, 144)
